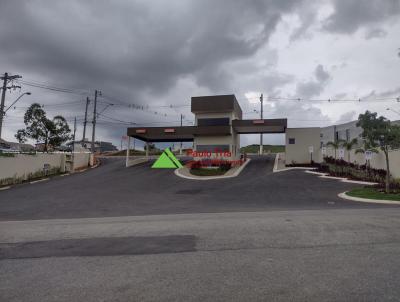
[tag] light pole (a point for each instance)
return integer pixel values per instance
(390, 109)
(9, 107)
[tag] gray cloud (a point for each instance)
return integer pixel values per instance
(350, 15)
(160, 52)
(314, 87)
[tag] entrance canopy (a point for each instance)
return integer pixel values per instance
(188, 133)
(260, 126)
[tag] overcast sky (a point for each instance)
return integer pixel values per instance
(160, 53)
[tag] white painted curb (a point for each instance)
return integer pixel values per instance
(40, 180)
(275, 170)
(380, 201)
(5, 188)
(237, 172)
(342, 179)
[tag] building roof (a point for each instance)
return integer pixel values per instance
(216, 104)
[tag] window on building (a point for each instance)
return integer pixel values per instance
(220, 121)
(212, 148)
(336, 136)
(292, 141)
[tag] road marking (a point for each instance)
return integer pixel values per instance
(5, 188)
(40, 180)
(62, 175)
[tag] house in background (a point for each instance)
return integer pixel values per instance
(15, 147)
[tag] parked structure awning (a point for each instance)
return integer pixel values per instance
(260, 126)
(188, 133)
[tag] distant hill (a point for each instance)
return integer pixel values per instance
(256, 148)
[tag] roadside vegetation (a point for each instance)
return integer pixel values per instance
(199, 168)
(379, 134)
(208, 171)
(51, 132)
(267, 148)
(374, 193)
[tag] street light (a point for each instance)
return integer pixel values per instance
(390, 109)
(27, 93)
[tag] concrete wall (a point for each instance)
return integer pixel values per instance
(377, 162)
(81, 160)
(23, 167)
(298, 153)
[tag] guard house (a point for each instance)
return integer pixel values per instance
(218, 123)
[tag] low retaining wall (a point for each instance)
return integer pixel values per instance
(23, 167)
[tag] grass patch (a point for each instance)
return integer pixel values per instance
(256, 148)
(373, 193)
(208, 172)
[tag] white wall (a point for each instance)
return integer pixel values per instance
(377, 162)
(81, 159)
(22, 166)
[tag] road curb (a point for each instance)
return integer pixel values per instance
(236, 173)
(343, 195)
(342, 179)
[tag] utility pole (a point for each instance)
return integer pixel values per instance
(261, 113)
(94, 118)
(180, 150)
(73, 146)
(5, 79)
(85, 122)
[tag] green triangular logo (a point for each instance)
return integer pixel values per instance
(167, 160)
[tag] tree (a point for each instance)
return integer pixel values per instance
(349, 146)
(335, 145)
(38, 127)
(380, 133)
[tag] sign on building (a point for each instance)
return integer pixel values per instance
(341, 153)
(311, 149)
(368, 155)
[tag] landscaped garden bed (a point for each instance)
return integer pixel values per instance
(209, 168)
(341, 168)
(375, 193)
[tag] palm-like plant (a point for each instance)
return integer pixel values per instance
(335, 145)
(349, 146)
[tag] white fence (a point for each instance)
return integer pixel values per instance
(377, 161)
(21, 167)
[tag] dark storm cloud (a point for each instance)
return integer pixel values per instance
(134, 51)
(350, 15)
(134, 45)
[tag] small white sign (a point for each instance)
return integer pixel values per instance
(311, 149)
(368, 155)
(341, 153)
(323, 150)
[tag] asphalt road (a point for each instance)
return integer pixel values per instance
(314, 255)
(113, 190)
(137, 234)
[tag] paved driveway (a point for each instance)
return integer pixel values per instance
(283, 237)
(113, 190)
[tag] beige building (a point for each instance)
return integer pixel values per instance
(219, 123)
(301, 141)
(217, 129)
